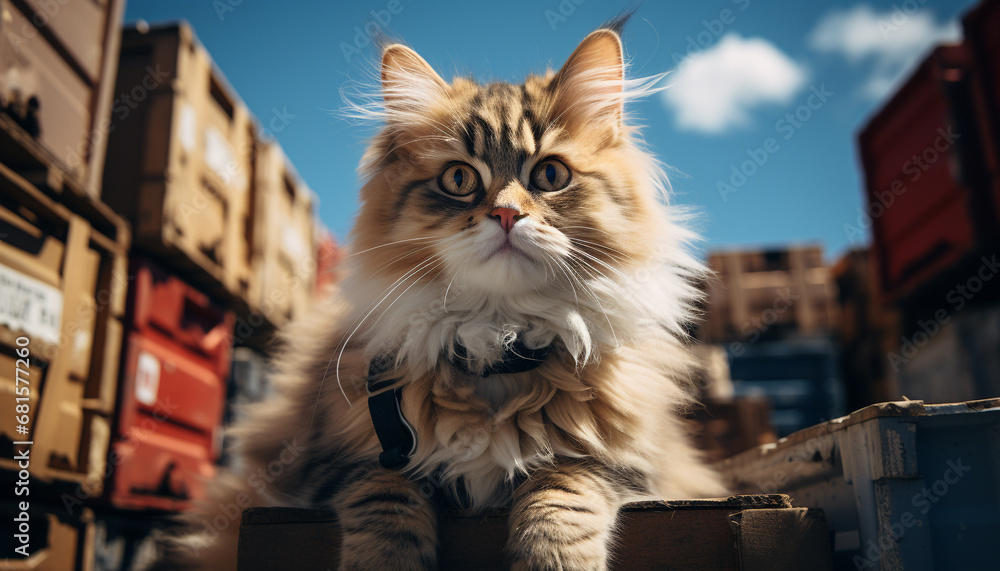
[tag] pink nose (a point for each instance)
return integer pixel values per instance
(507, 217)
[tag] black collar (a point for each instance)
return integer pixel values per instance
(395, 434)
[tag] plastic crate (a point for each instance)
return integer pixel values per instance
(922, 162)
(173, 393)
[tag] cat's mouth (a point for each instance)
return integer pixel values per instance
(507, 248)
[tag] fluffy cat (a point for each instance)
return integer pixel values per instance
(496, 218)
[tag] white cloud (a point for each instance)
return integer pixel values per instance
(715, 89)
(889, 42)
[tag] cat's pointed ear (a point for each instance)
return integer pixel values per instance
(590, 86)
(409, 83)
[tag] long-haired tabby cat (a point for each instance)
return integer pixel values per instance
(516, 302)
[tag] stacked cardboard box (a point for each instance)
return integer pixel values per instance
(182, 160)
(63, 252)
(282, 239)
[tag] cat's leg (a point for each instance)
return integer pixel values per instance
(385, 521)
(562, 518)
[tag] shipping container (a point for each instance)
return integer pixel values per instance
(923, 171)
(904, 485)
(63, 284)
(172, 395)
(58, 63)
(183, 160)
(283, 238)
(57, 540)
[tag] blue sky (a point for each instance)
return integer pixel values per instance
(785, 85)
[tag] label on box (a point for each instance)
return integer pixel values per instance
(220, 158)
(293, 244)
(187, 127)
(30, 305)
(147, 379)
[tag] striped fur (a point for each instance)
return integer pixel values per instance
(599, 269)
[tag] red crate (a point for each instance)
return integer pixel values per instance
(982, 33)
(921, 209)
(173, 393)
(164, 305)
(328, 256)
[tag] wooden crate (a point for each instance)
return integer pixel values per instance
(740, 532)
(904, 485)
(283, 238)
(760, 295)
(182, 160)
(57, 74)
(62, 283)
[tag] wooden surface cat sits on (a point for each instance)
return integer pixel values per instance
(509, 333)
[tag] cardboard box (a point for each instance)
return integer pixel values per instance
(283, 238)
(180, 160)
(62, 293)
(57, 75)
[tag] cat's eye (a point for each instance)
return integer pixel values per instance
(550, 175)
(459, 180)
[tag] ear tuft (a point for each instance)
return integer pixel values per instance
(409, 83)
(590, 87)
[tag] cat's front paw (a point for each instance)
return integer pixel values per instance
(385, 523)
(560, 537)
